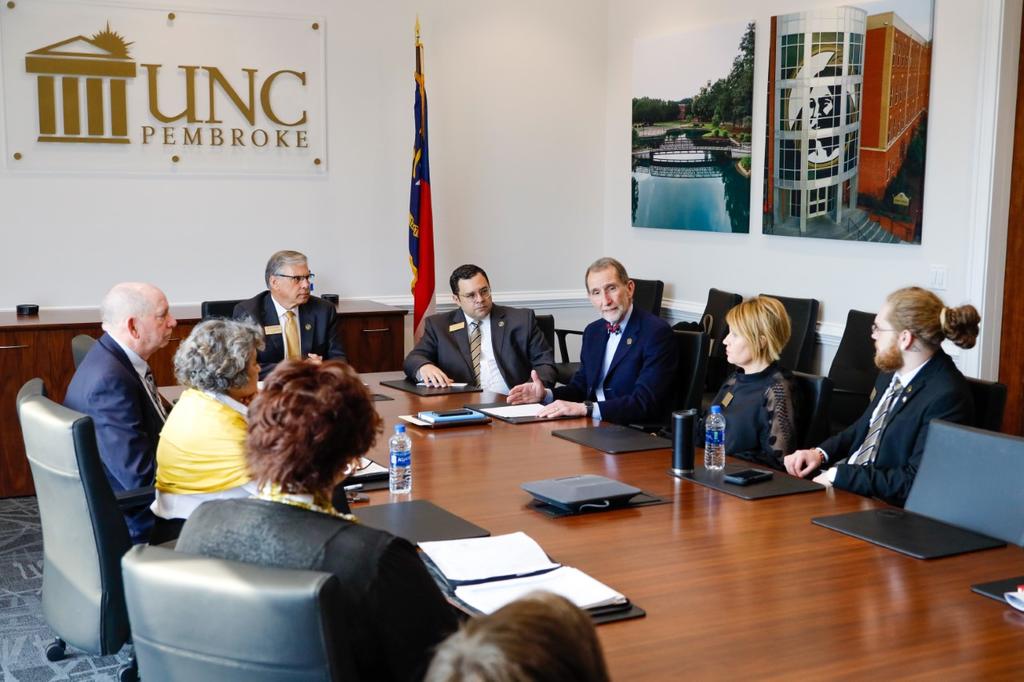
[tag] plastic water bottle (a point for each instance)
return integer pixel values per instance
(714, 440)
(400, 469)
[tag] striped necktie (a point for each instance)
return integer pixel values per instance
(474, 349)
(869, 448)
(154, 395)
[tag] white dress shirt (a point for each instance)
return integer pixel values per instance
(490, 375)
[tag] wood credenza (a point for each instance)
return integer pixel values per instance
(373, 335)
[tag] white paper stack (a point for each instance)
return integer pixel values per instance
(573, 584)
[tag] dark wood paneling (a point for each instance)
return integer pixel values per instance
(1011, 350)
(18, 351)
(373, 343)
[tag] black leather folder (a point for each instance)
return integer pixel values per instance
(613, 439)
(908, 533)
(409, 386)
(419, 521)
(780, 484)
(996, 589)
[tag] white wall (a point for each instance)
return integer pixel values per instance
(972, 58)
(516, 91)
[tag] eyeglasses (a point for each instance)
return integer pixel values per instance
(297, 278)
(483, 295)
(875, 329)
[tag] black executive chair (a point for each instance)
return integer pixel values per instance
(853, 371)
(798, 353)
(203, 618)
(80, 347)
(84, 532)
(814, 402)
(218, 308)
(713, 323)
(692, 349)
(647, 295)
(546, 323)
(989, 403)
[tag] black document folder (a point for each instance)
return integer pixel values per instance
(513, 420)
(613, 439)
(419, 521)
(780, 484)
(996, 589)
(908, 533)
(409, 386)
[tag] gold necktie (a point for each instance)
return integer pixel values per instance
(293, 348)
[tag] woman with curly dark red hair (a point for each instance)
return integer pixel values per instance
(307, 427)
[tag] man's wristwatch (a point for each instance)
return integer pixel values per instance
(589, 404)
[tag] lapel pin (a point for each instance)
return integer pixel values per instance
(629, 341)
(308, 326)
(501, 323)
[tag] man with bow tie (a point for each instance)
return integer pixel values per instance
(627, 361)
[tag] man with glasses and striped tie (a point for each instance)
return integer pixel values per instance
(879, 454)
(296, 324)
(491, 346)
(115, 387)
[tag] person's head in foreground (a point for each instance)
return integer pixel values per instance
(308, 426)
(540, 638)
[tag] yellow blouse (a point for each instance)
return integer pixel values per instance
(202, 447)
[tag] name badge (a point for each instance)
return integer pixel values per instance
(272, 329)
(727, 399)
(456, 327)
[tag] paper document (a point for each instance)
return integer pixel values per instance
(413, 420)
(491, 557)
(452, 385)
(511, 411)
(573, 584)
(367, 467)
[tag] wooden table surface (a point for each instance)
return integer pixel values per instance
(732, 588)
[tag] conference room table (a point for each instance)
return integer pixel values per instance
(732, 588)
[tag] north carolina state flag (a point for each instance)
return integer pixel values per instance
(421, 221)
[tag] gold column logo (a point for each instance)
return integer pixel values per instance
(102, 61)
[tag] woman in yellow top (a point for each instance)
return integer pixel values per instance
(201, 453)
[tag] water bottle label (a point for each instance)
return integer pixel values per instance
(714, 438)
(400, 458)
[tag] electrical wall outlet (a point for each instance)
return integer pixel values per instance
(937, 276)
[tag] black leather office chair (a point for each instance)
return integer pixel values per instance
(692, 348)
(853, 371)
(84, 533)
(798, 353)
(80, 347)
(713, 322)
(218, 308)
(647, 295)
(546, 323)
(989, 403)
(814, 401)
(202, 618)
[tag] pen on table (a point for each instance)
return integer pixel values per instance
(354, 486)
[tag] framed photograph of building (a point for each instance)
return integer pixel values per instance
(692, 105)
(847, 120)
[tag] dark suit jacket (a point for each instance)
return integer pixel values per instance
(519, 347)
(318, 333)
(389, 615)
(638, 386)
(107, 388)
(939, 391)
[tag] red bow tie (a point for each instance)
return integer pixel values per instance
(613, 328)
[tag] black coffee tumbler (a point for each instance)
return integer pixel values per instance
(683, 423)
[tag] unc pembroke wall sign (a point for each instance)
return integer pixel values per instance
(188, 92)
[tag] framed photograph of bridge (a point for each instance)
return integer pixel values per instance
(847, 116)
(693, 96)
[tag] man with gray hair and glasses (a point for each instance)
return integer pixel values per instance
(114, 386)
(296, 325)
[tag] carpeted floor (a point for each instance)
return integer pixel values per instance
(24, 634)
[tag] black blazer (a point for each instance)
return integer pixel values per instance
(519, 347)
(318, 333)
(638, 386)
(390, 611)
(939, 391)
(107, 388)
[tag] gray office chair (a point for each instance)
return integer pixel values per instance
(80, 347)
(202, 618)
(84, 533)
